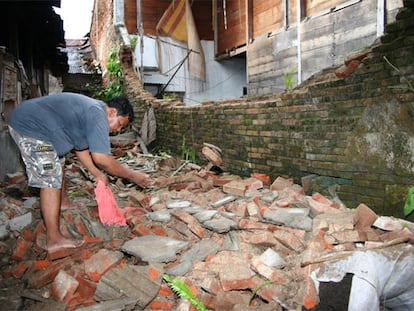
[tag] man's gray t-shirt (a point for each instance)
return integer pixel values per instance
(67, 120)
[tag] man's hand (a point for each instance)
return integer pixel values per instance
(103, 177)
(142, 179)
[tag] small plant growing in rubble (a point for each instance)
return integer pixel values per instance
(187, 154)
(259, 287)
(184, 292)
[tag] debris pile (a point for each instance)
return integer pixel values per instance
(237, 243)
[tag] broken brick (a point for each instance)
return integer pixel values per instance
(101, 262)
(364, 216)
(63, 286)
(290, 240)
(281, 183)
(20, 269)
(20, 250)
(235, 276)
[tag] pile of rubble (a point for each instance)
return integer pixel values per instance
(237, 243)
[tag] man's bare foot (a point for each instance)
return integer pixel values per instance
(64, 243)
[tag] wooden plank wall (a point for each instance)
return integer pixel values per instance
(231, 25)
(152, 11)
(267, 16)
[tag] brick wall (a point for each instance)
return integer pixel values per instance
(352, 135)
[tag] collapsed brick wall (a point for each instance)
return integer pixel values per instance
(353, 134)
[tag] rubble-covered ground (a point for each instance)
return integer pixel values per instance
(237, 243)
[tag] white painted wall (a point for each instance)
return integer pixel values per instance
(225, 79)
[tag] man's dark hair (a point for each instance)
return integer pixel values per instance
(123, 107)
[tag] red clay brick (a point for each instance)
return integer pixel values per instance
(20, 269)
(235, 277)
(311, 298)
(208, 300)
(140, 198)
(247, 224)
(27, 235)
(220, 181)
(40, 278)
(227, 300)
(263, 177)
(238, 208)
(160, 304)
(91, 240)
(41, 264)
(269, 273)
(142, 230)
(157, 230)
(281, 183)
(20, 250)
(63, 286)
(290, 240)
(211, 285)
(86, 289)
(165, 290)
(364, 216)
(62, 253)
(264, 238)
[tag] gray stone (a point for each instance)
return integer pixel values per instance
(28, 203)
(270, 197)
(182, 268)
(4, 232)
(231, 241)
(272, 259)
(154, 248)
(4, 218)
(220, 225)
(193, 209)
(292, 217)
(205, 215)
(161, 216)
(95, 228)
(201, 250)
(223, 201)
(178, 204)
(20, 222)
(154, 200)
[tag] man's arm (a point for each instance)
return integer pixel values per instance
(85, 158)
(113, 167)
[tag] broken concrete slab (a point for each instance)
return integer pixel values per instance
(20, 222)
(292, 217)
(154, 248)
(141, 283)
(198, 252)
(161, 215)
(220, 225)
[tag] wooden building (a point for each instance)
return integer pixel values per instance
(282, 42)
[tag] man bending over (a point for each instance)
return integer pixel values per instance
(47, 128)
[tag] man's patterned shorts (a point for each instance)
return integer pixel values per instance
(43, 166)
